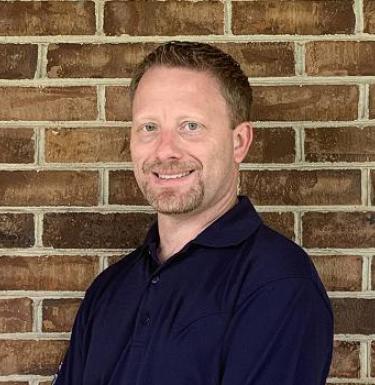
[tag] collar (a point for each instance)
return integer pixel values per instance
(230, 229)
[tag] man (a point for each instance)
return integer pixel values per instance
(213, 296)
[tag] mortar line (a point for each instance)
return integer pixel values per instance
(103, 264)
(365, 274)
(364, 187)
(363, 359)
(228, 17)
(101, 188)
(40, 71)
(38, 315)
(359, 19)
(299, 133)
(38, 230)
(299, 58)
(99, 17)
(41, 146)
(298, 227)
(100, 94)
(105, 187)
(371, 266)
(370, 190)
(365, 101)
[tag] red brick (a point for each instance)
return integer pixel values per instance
(95, 230)
(339, 272)
(345, 360)
(369, 16)
(47, 18)
(335, 58)
(115, 258)
(373, 359)
(54, 272)
(293, 17)
(262, 59)
(16, 315)
(281, 222)
(316, 102)
(59, 314)
(295, 187)
(340, 144)
(51, 103)
(372, 101)
(16, 230)
(18, 61)
(172, 17)
(95, 60)
(44, 188)
(17, 145)
(31, 357)
(272, 145)
(339, 229)
(354, 315)
(118, 106)
(123, 189)
(76, 145)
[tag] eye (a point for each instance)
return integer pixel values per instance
(149, 127)
(191, 126)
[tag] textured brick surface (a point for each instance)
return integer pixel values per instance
(118, 105)
(18, 61)
(123, 189)
(54, 272)
(318, 187)
(340, 144)
(272, 145)
(52, 103)
(70, 145)
(354, 315)
(369, 15)
(345, 360)
(339, 272)
(31, 357)
(316, 102)
(339, 229)
(16, 315)
(94, 230)
(59, 314)
(94, 60)
(144, 17)
(47, 17)
(372, 101)
(330, 58)
(16, 230)
(293, 17)
(281, 222)
(16, 145)
(44, 188)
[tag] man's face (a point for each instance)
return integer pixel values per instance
(182, 145)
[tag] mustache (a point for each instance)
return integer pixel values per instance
(172, 166)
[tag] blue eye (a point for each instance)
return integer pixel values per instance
(191, 126)
(149, 127)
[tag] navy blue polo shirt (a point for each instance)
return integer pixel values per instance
(239, 305)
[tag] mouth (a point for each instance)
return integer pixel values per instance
(164, 176)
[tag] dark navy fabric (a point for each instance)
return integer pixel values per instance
(238, 305)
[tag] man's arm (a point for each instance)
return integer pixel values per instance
(281, 334)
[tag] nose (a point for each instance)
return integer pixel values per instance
(168, 146)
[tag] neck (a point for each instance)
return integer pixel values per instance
(175, 231)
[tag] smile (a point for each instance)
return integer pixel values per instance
(171, 177)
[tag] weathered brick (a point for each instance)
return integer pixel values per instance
(123, 189)
(13, 383)
(47, 18)
(172, 17)
(16, 315)
(53, 272)
(51, 103)
(315, 102)
(354, 315)
(262, 59)
(95, 230)
(372, 184)
(40, 357)
(272, 145)
(293, 17)
(18, 61)
(59, 314)
(16, 230)
(372, 101)
(295, 187)
(372, 359)
(70, 145)
(95, 60)
(115, 258)
(118, 106)
(339, 272)
(17, 145)
(345, 360)
(339, 229)
(340, 144)
(335, 58)
(281, 222)
(44, 188)
(369, 16)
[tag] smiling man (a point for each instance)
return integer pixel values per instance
(213, 296)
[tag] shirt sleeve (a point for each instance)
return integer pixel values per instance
(280, 334)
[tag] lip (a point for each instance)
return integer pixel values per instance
(172, 181)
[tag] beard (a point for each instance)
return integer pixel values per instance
(169, 200)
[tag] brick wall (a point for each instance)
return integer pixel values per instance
(69, 205)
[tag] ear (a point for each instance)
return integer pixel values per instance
(242, 139)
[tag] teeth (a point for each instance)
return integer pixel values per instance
(173, 176)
